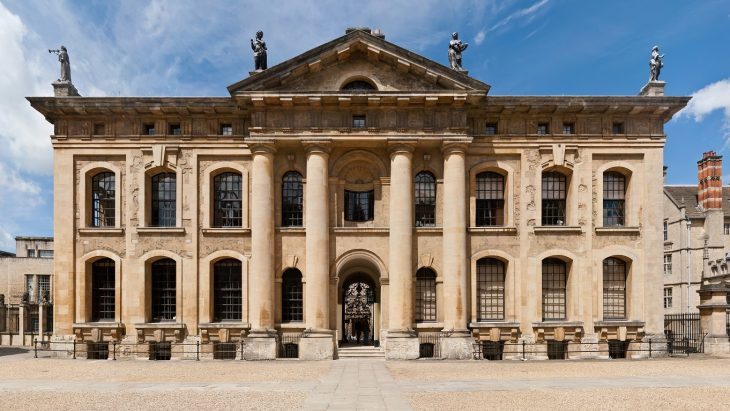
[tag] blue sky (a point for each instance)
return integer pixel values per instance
(194, 48)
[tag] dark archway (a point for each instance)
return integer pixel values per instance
(358, 297)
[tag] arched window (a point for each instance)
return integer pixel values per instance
(163, 200)
(554, 294)
(103, 290)
(490, 289)
(425, 295)
(292, 199)
(554, 193)
(164, 292)
(227, 290)
(358, 85)
(102, 200)
(490, 199)
(292, 296)
(227, 206)
(425, 188)
(614, 199)
(614, 289)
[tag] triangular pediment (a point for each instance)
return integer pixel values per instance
(359, 55)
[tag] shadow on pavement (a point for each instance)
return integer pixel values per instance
(5, 351)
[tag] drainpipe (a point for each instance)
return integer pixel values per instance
(689, 260)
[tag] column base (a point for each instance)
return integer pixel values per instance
(401, 345)
(717, 345)
(260, 345)
(317, 346)
(457, 346)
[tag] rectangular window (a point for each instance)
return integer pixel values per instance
(44, 286)
(490, 199)
(99, 129)
(554, 291)
(667, 297)
(358, 121)
(31, 253)
(149, 129)
(568, 128)
(543, 128)
(554, 192)
(614, 199)
(175, 129)
(667, 264)
(618, 127)
(491, 129)
(45, 253)
(359, 205)
(226, 130)
(666, 230)
(726, 229)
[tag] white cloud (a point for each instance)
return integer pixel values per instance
(479, 38)
(529, 13)
(715, 96)
(7, 241)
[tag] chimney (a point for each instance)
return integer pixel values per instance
(709, 187)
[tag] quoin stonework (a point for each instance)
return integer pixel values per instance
(359, 192)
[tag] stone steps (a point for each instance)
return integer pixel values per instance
(360, 352)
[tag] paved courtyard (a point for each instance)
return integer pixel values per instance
(671, 383)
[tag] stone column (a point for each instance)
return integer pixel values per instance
(457, 342)
(261, 341)
(317, 343)
(402, 342)
(713, 317)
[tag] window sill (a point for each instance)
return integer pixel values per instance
(618, 323)
(225, 324)
(226, 230)
(293, 326)
(429, 229)
(556, 323)
(291, 230)
(426, 325)
(160, 230)
(161, 325)
(98, 324)
(558, 229)
(101, 231)
(494, 324)
(618, 230)
(494, 230)
(360, 230)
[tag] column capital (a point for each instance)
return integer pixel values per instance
(323, 145)
(455, 145)
(403, 146)
(262, 146)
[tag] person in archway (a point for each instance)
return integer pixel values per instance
(366, 331)
(358, 330)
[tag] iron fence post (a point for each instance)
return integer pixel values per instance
(241, 350)
(649, 347)
(197, 350)
(74, 342)
(523, 350)
(114, 350)
(35, 348)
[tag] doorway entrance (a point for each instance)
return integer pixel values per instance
(358, 310)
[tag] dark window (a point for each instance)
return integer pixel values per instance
(149, 129)
(163, 290)
(160, 351)
(568, 128)
(425, 295)
(359, 205)
(175, 129)
(557, 350)
(491, 129)
(224, 351)
(554, 280)
(358, 121)
(292, 300)
(618, 128)
(97, 351)
(292, 200)
(554, 190)
(425, 199)
(614, 289)
(227, 206)
(226, 130)
(358, 85)
(31, 253)
(102, 200)
(227, 290)
(490, 199)
(490, 289)
(163, 200)
(614, 199)
(99, 129)
(543, 128)
(102, 290)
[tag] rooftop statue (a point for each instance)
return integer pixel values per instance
(65, 63)
(655, 64)
(259, 51)
(455, 49)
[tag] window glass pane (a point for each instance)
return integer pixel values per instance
(425, 187)
(490, 289)
(163, 200)
(227, 290)
(292, 198)
(358, 121)
(359, 205)
(227, 205)
(164, 295)
(103, 200)
(226, 130)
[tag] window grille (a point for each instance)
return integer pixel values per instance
(668, 297)
(163, 200)
(667, 264)
(614, 289)
(359, 205)
(425, 199)
(103, 200)
(103, 290)
(554, 190)
(425, 295)
(614, 199)
(490, 289)
(292, 300)
(292, 199)
(160, 351)
(557, 350)
(227, 206)
(554, 279)
(490, 199)
(227, 290)
(164, 290)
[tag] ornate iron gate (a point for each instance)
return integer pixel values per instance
(683, 333)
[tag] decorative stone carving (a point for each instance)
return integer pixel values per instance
(456, 47)
(655, 64)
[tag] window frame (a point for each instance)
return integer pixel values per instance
(225, 129)
(554, 210)
(543, 128)
(615, 278)
(568, 126)
(359, 215)
(491, 289)
(667, 264)
(228, 290)
(102, 197)
(491, 128)
(668, 291)
(163, 290)
(426, 304)
(292, 199)
(292, 296)
(103, 299)
(169, 204)
(359, 121)
(231, 206)
(490, 210)
(424, 187)
(554, 290)
(615, 187)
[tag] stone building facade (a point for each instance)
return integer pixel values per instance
(359, 187)
(29, 270)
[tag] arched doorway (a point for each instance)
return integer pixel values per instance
(358, 310)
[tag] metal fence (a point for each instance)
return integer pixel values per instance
(563, 350)
(289, 345)
(684, 333)
(429, 344)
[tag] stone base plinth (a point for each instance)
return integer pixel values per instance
(64, 89)
(259, 347)
(653, 89)
(457, 346)
(401, 346)
(316, 347)
(717, 345)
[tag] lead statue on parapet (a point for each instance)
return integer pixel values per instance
(259, 51)
(655, 64)
(455, 49)
(65, 63)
